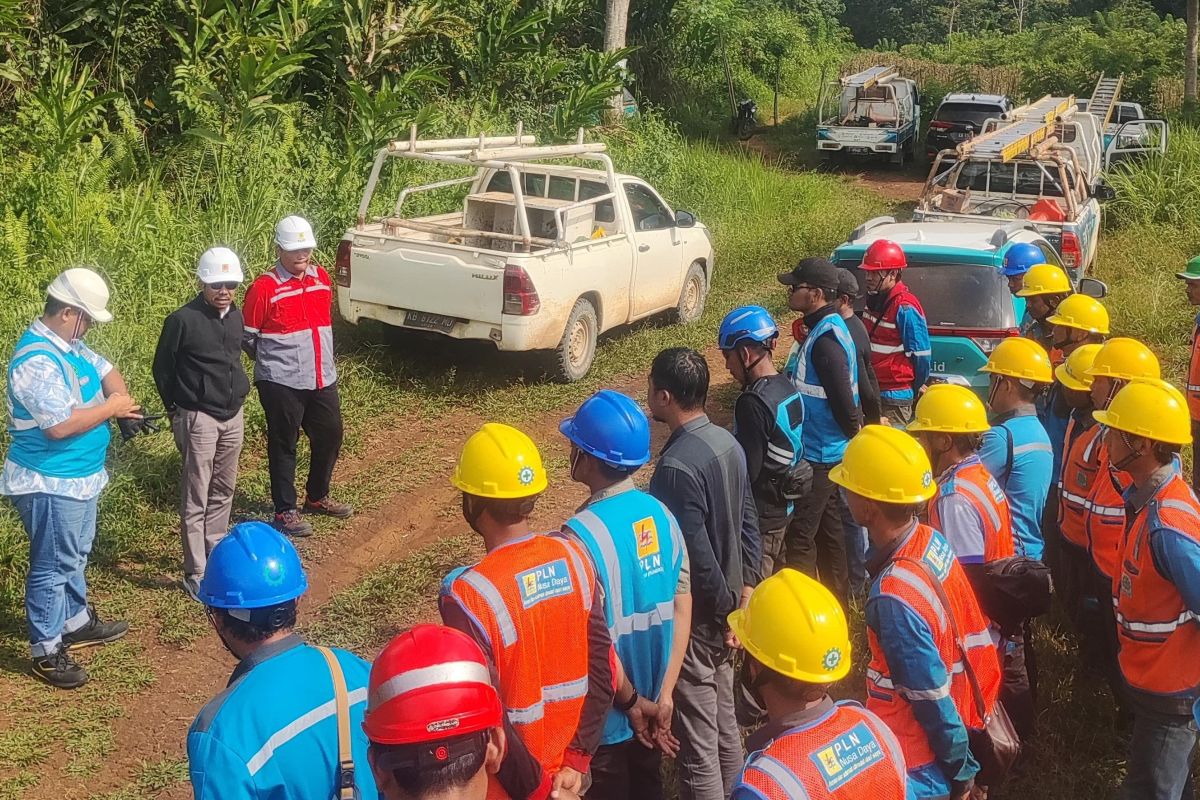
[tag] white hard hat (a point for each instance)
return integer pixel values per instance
(219, 265)
(81, 288)
(294, 233)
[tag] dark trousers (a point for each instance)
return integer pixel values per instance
(626, 770)
(1160, 758)
(1018, 690)
(816, 541)
(318, 412)
(898, 412)
(773, 525)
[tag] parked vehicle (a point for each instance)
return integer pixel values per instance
(1126, 132)
(961, 116)
(539, 256)
(746, 120)
(954, 269)
(873, 112)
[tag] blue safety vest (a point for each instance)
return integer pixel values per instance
(824, 439)
(75, 456)
(273, 731)
(1018, 453)
(637, 548)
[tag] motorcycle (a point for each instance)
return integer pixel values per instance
(746, 120)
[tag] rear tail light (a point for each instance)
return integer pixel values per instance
(1072, 253)
(985, 339)
(520, 297)
(939, 125)
(341, 264)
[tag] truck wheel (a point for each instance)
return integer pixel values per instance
(691, 296)
(577, 348)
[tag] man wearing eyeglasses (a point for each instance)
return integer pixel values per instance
(200, 378)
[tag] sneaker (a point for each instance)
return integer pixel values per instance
(60, 670)
(329, 507)
(191, 587)
(95, 632)
(291, 523)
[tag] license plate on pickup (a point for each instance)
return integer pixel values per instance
(959, 136)
(429, 322)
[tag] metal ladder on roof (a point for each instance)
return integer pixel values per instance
(1032, 123)
(869, 77)
(1105, 97)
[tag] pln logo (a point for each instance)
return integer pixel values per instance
(530, 583)
(647, 537)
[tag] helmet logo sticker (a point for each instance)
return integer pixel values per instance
(443, 725)
(274, 572)
(927, 479)
(525, 476)
(832, 659)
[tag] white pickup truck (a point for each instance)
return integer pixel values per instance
(539, 256)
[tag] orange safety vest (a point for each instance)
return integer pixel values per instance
(908, 583)
(846, 754)
(532, 598)
(1193, 379)
(1076, 480)
(977, 486)
(1159, 634)
(1105, 516)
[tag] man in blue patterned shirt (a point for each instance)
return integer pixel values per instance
(61, 395)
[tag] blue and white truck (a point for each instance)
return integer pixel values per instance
(871, 113)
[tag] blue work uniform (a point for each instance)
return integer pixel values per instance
(272, 733)
(1055, 425)
(1018, 453)
(637, 549)
(824, 440)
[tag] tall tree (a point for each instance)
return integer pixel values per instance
(1189, 58)
(616, 20)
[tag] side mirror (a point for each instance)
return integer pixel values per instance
(1103, 192)
(685, 219)
(1093, 287)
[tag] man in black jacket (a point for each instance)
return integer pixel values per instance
(200, 378)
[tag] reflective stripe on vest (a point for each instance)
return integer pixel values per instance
(1159, 635)
(571, 690)
(893, 367)
(508, 631)
(1104, 518)
(824, 440)
(1193, 379)
(971, 480)
(1077, 479)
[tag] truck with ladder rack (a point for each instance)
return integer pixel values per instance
(534, 252)
(1126, 132)
(1043, 166)
(873, 112)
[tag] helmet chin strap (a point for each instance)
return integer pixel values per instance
(746, 380)
(1129, 459)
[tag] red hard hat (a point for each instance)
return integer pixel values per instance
(430, 683)
(884, 254)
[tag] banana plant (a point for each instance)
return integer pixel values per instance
(69, 105)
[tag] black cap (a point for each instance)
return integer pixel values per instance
(816, 271)
(847, 284)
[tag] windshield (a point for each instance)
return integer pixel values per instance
(967, 112)
(957, 295)
(997, 178)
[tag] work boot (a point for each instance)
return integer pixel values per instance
(191, 587)
(329, 507)
(95, 632)
(60, 670)
(291, 523)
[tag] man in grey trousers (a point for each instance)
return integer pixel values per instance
(701, 477)
(200, 378)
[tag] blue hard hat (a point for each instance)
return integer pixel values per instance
(748, 322)
(611, 427)
(254, 566)
(1020, 257)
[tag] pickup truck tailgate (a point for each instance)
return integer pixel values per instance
(434, 278)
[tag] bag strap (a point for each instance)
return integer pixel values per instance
(928, 572)
(347, 790)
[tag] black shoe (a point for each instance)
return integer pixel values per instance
(60, 670)
(95, 632)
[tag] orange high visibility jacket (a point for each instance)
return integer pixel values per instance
(1159, 634)
(908, 583)
(1104, 519)
(970, 480)
(846, 754)
(1193, 379)
(1076, 480)
(532, 600)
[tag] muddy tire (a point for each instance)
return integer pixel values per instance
(573, 357)
(692, 296)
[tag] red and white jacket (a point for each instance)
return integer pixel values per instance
(289, 328)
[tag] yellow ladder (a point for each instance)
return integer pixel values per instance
(1032, 123)
(1105, 97)
(868, 77)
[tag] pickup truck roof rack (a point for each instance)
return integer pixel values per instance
(1032, 123)
(1105, 97)
(869, 77)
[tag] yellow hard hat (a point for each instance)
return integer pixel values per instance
(885, 464)
(946, 408)
(1045, 279)
(1125, 359)
(795, 626)
(1082, 312)
(1018, 357)
(499, 461)
(1073, 373)
(1151, 408)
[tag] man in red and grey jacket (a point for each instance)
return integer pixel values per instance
(289, 334)
(900, 349)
